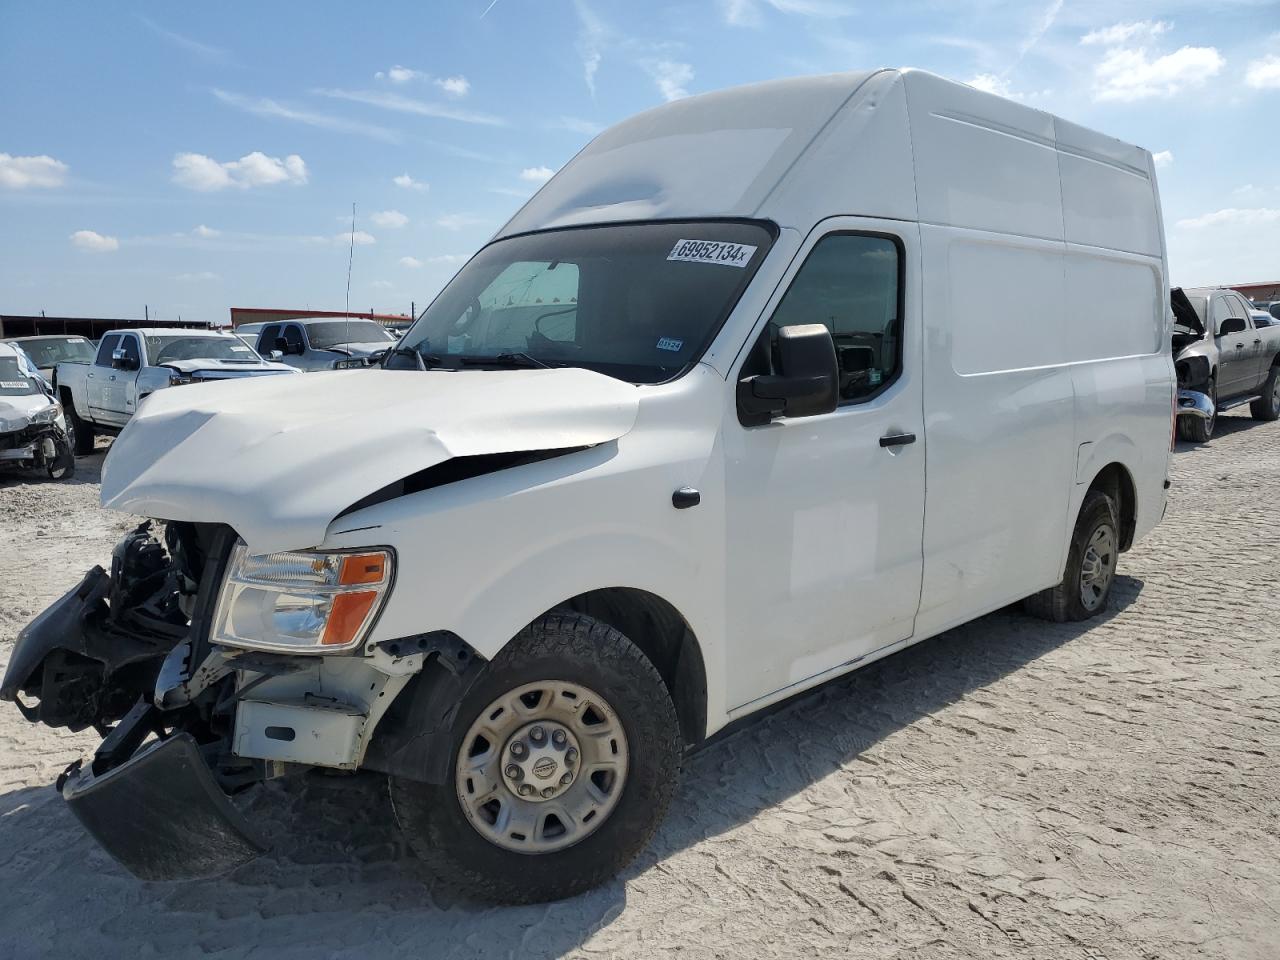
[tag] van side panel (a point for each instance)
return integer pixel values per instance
(999, 422)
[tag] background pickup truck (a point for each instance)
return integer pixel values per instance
(321, 343)
(1220, 353)
(130, 365)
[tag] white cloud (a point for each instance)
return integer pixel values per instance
(746, 13)
(382, 284)
(413, 263)
(1163, 159)
(1128, 75)
(458, 86)
(94, 242)
(1121, 33)
(457, 221)
(203, 50)
(991, 83)
(399, 74)
(593, 37)
(448, 258)
(408, 183)
(1249, 217)
(387, 100)
(537, 174)
(360, 238)
(264, 107)
(578, 125)
(1264, 74)
(389, 218)
(19, 173)
(206, 232)
(203, 276)
(195, 171)
(670, 77)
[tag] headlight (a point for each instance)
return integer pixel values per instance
(48, 415)
(349, 364)
(301, 602)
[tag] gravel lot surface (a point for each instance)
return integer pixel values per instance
(1010, 789)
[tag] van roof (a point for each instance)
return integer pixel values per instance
(892, 143)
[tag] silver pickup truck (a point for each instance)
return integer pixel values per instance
(1222, 359)
(130, 365)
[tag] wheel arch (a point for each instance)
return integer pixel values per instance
(1116, 481)
(664, 636)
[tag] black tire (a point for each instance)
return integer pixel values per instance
(582, 650)
(63, 464)
(1063, 603)
(82, 434)
(1197, 429)
(1267, 406)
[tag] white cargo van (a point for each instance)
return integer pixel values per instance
(764, 385)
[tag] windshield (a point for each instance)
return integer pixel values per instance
(14, 379)
(333, 333)
(51, 351)
(168, 349)
(639, 302)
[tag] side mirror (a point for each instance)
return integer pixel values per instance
(806, 385)
(120, 361)
(1231, 325)
(275, 355)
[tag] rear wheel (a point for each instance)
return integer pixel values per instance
(1199, 429)
(1091, 566)
(80, 431)
(565, 760)
(1267, 406)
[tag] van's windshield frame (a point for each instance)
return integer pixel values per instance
(691, 335)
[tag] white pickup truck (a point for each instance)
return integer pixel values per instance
(130, 365)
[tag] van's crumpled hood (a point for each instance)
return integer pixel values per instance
(278, 458)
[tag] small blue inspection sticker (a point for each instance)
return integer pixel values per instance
(670, 343)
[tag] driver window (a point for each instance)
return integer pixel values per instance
(850, 283)
(109, 344)
(293, 337)
(525, 302)
(1221, 311)
(129, 344)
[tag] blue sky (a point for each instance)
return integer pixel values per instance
(195, 157)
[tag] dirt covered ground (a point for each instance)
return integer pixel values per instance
(1010, 789)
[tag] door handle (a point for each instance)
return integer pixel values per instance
(89, 375)
(1239, 346)
(897, 439)
(1258, 341)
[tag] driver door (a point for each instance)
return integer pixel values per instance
(98, 378)
(119, 388)
(1236, 360)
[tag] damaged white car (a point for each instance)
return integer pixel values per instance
(652, 461)
(33, 429)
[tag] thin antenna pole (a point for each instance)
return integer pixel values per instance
(351, 254)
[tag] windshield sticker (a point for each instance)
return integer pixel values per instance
(670, 343)
(712, 251)
(13, 384)
(239, 349)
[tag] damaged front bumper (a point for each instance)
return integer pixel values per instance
(160, 813)
(1193, 403)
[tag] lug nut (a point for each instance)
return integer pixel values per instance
(570, 755)
(525, 790)
(517, 749)
(514, 772)
(565, 779)
(548, 792)
(558, 738)
(537, 735)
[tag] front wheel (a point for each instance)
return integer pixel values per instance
(1091, 566)
(1200, 429)
(80, 430)
(565, 758)
(62, 465)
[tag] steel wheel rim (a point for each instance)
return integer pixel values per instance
(1098, 567)
(559, 738)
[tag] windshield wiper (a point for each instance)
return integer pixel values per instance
(514, 360)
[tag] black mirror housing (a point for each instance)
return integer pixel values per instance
(1232, 325)
(807, 384)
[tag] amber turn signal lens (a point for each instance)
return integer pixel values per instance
(346, 616)
(361, 568)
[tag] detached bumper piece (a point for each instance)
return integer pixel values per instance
(162, 814)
